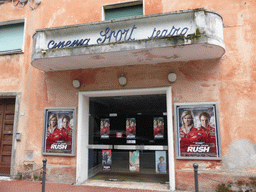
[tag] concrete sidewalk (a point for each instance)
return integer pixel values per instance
(91, 185)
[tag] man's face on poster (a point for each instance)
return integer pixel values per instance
(187, 120)
(65, 123)
(204, 121)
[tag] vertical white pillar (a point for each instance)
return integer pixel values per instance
(170, 139)
(82, 139)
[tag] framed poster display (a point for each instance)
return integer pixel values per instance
(158, 126)
(104, 128)
(106, 159)
(197, 131)
(59, 131)
(134, 161)
(160, 161)
(130, 128)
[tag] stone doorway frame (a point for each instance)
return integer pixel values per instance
(83, 127)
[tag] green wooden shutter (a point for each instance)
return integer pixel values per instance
(11, 37)
(122, 12)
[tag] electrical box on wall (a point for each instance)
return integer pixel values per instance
(18, 136)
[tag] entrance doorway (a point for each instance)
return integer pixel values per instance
(7, 109)
(126, 147)
(134, 128)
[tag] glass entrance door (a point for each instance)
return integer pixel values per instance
(128, 138)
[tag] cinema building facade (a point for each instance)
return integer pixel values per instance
(128, 90)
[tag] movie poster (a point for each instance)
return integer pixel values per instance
(106, 159)
(160, 159)
(134, 161)
(130, 128)
(59, 130)
(158, 126)
(197, 131)
(104, 128)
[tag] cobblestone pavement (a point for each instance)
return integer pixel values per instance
(91, 185)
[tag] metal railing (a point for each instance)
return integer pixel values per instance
(44, 175)
(240, 187)
(25, 173)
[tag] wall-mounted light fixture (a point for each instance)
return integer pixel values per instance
(172, 77)
(18, 136)
(122, 80)
(22, 3)
(36, 2)
(76, 83)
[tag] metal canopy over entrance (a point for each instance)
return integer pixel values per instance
(176, 36)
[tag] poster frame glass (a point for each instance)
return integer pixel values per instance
(71, 134)
(202, 152)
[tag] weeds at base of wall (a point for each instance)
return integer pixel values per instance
(239, 186)
(29, 177)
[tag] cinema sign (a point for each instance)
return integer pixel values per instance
(176, 36)
(119, 35)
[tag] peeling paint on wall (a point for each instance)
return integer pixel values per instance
(242, 155)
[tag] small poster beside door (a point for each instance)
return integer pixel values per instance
(158, 126)
(104, 128)
(160, 159)
(106, 159)
(134, 161)
(130, 128)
